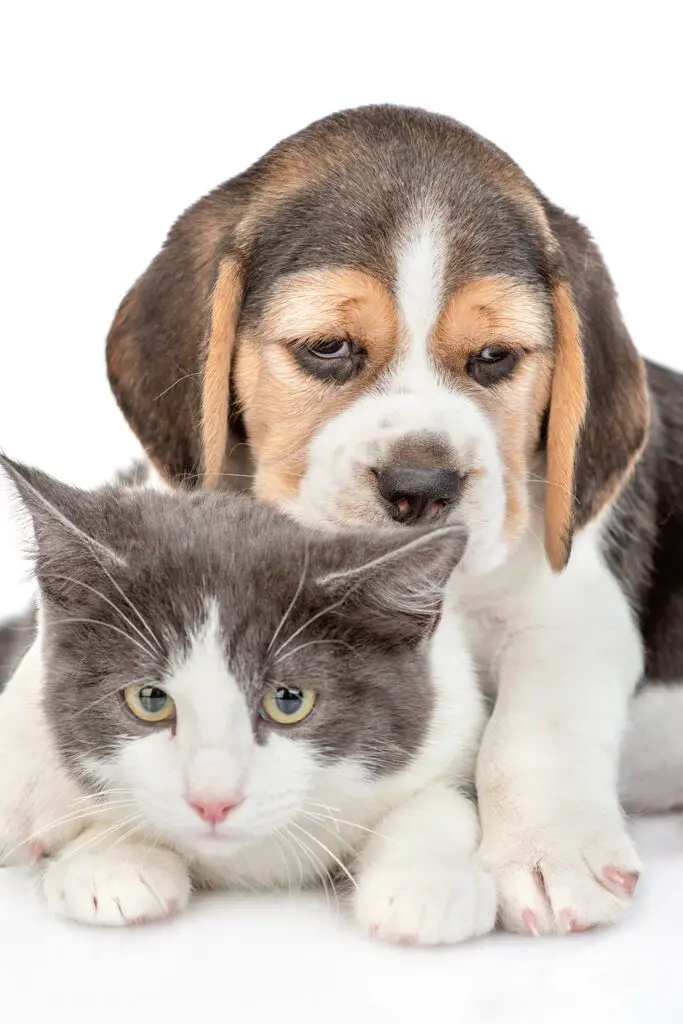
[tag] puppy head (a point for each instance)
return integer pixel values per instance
(410, 333)
(405, 406)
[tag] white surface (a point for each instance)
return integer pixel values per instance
(116, 116)
(289, 959)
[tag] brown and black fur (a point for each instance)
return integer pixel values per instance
(329, 197)
(646, 543)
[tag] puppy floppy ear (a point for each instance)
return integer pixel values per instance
(599, 410)
(220, 344)
(157, 344)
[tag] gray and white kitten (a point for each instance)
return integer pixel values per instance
(225, 699)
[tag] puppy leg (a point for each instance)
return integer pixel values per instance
(553, 832)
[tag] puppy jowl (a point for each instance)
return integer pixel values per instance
(233, 701)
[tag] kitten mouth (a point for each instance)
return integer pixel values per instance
(212, 836)
(235, 838)
(225, 839)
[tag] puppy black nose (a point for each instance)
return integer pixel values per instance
(415, 493)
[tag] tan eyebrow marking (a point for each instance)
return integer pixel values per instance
(492, 310)
(316, 303)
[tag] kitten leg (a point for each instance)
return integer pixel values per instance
(40, 806)
(419, 880)
(99, 879)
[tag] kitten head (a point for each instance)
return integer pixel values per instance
(218, 665)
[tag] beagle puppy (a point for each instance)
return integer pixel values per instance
(383, 321)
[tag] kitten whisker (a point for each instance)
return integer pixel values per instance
(126, 835)
(351, 824)
(533, 478)
(200, 476)
(178, 380)
(110, 693)
(66, 819)
(102, 793)
(107, 625)
(325, 611)
(302, 579)
(320, 871)
(277, 837)
(315, 803)
(311, 643)
(329, 852)
(134, 608)
(316, 820)
(327, 876)
(98, 836)
(98, 593)
(319, 803)
(284, 835)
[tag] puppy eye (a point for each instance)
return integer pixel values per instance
(149, 703)
(287, 706)
(330, 359)
(492, 364)
(332, 348)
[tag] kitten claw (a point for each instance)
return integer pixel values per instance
(129, 884)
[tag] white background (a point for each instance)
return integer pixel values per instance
(115, 116)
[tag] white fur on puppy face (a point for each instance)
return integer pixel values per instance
(420, 266)
(339, 488)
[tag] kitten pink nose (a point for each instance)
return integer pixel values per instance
(213, 811)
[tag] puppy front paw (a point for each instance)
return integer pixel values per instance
(127, 884)
(557, 878)
(427, 904)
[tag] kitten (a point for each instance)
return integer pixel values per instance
(223, 699)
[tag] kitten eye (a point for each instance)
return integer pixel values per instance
(492, 364)
(149, 703)
(286, 706)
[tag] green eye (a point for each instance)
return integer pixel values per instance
(287, 706)
(149, 703)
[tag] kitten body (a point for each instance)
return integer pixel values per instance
(323, 715)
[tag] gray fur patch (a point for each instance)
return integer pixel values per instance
(125, 577)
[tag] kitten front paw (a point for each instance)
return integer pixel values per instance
(127, 884)
(428, 905)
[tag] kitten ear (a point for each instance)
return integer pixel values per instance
(66, 522)
(396, 584)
